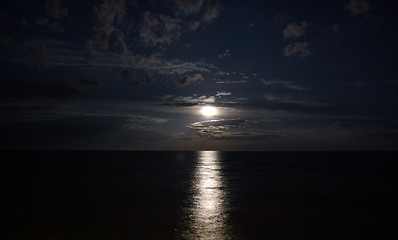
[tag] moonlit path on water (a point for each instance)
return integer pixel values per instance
(208, 219)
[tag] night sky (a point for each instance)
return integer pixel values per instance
(125, 74)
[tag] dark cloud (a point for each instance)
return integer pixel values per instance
(51, 25)
(88, 82)
(159, 29)
(55, 9)
(286, 84)
(181, 101)
(109, 13)
(91, 55)
(40, 50)
(295, 30)
(296, 101)
(186, 80)
(24, 89)
(189, 6)
(28, 113)
(148, 79)
(127, 74)
(182, 81)
(297, 47)
(358, 7)
(143, 122)
(121, 48)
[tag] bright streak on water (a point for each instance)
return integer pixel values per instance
(208, 209)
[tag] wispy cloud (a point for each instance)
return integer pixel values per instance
(212, 12)
(143, 122)
(294, 100)
(299, 48)
(357, 7)
(220, 94)
(189, 6)
(286, 84)
(218, 128)
(226, 53)
(295, 30)
(47, 53)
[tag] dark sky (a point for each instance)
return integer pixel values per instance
(125, 74)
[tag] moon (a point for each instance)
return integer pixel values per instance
(208, 111)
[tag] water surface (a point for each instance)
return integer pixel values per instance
(198, 195)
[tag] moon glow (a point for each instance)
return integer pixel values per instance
(208, 111)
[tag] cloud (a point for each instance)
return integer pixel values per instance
(106, 14)
(90, 54)
(88, 82)
(51, 25)
(159, 30)
(121, 48)
(357, 7)
(40, 50)
(181, 101)
(25, 89)
(148, 79)
(286, 84)
(222, 123)
(143, 122)
(297, 47)
(182, 81)
(295, 30)
(220, 94)
(292, 100)
(186, 80)
(17, 112)
(193, 25)
(226, 53)
(218, 128)
(55, 9)
(127, 74)
(59, 53)
(189, 6)
(211, 13)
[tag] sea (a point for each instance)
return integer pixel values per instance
(198, 195)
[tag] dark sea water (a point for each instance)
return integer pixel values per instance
(198, 195)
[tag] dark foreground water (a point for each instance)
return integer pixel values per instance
(198, 195)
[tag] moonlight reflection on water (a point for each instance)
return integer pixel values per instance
(208, 218)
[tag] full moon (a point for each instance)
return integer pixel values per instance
(209, 111)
